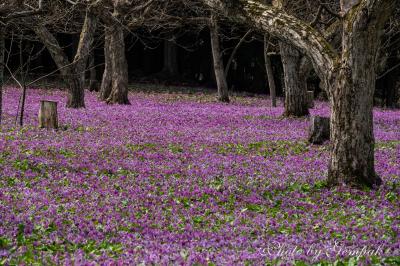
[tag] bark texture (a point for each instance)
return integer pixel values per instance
(106, 82)
(85, 46)
(270, 73)
(295, 84)
(222, 84)
(351, 95)
(119, 65)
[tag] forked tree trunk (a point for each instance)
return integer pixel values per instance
(119, 65)
(71, 71)
(71, 77)
(106, 82)
(170, 59)
(295, 84)
(223, 94)
(2, 50)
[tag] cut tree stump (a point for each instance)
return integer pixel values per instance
(48, 117)
(319, 130)
(310, 99)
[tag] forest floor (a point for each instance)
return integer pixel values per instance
(181, 179)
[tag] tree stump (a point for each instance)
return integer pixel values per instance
(310, 99)
(319, 130)
(48, 117)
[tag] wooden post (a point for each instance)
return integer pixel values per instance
(310, 99)
(48, 117)
(319, 130)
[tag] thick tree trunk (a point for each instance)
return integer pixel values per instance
(352, 157)
(295, 84)
(170, 59)
(2, 50)
(119, 65)
(270, 73)
(223, 95)
(106, 82)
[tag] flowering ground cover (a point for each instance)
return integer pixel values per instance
(178, 179)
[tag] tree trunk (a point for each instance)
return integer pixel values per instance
(55, 50)
(295, 83)
(22, 111)
(119, 65)
(170, 59)
(85, 46)
(76, 97)
(270, 73)
(223, 95)
(93, 84)
(352, 157)
(2, 50)
(76, 94)
(23, 80)
(71, 72)
(106, 82)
